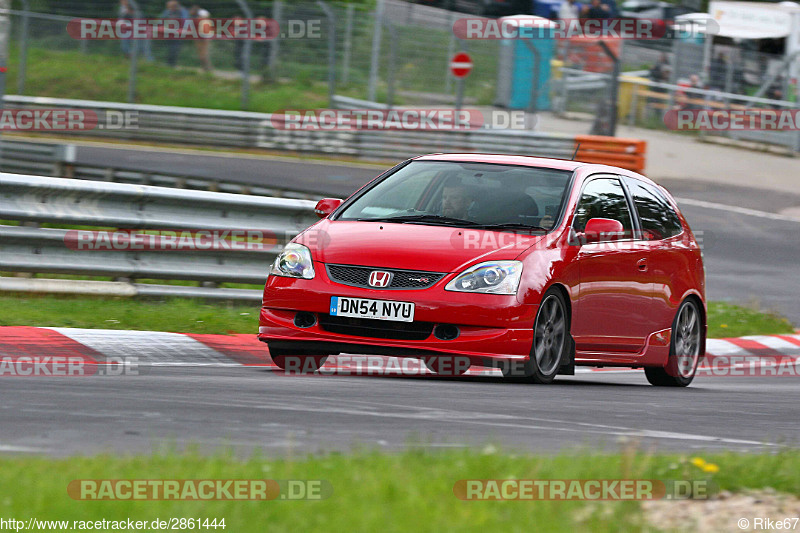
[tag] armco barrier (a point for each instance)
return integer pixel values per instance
(32, 200)
(237, 129)
(59, 160)
(625, 153)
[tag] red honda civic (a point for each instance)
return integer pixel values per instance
(526, 264)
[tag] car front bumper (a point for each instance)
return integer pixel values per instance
(490, 326)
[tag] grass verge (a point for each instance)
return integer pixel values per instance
(409, 491)
(192, 316)
(176, 315)
(728, 320)
(63, 74)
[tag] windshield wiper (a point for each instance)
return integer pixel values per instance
(423, 219)
(512, 225)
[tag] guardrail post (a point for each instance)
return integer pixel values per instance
(248, 46)
(613, 89)
(277, 13)
(134, 57)
(23, 48)
(64, 161)
(376, 51)
(392, 65)
(331, 50)
(5, 24)
(451, 50)
(348, 43)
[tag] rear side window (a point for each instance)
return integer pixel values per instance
(659, 220)
(603, 198)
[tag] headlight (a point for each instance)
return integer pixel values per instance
(494, 277)
(293, 262)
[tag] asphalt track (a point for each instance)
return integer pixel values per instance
(252, 407)
(747, 256)
(244, 408)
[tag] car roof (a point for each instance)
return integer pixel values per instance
(522, 160)
(586, 169)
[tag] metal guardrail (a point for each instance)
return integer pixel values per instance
(643, 99)
(56, 201)
(239, 129)
(49, 159)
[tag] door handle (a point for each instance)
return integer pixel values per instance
(641, 264)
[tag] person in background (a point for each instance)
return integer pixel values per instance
(174, 10)
(613, 12)
(597, 10)
(569, 10)
(126, 12)
(693, 100)
(204, 27)
(718, 72)
(660, 71)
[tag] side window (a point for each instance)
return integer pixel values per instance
(659, 220)
(603, 198)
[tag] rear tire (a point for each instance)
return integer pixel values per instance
(297, 362)
(551, 343)
(684, 349)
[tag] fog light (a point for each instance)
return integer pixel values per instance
(304, 319)
(445, 332)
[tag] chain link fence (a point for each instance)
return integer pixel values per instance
(397, 53)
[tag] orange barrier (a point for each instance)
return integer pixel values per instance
(624, 153)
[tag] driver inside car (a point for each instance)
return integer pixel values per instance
(457, 199)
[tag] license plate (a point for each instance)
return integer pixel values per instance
(375, 309)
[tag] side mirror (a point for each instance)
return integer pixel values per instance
(604, 229)
(326, 206)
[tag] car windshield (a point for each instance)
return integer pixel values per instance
(464, 194)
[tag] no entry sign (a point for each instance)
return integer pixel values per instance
(461, 65)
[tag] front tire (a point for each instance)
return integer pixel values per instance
(684, 349)
(551, 342)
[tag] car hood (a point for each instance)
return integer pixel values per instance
(410, 246)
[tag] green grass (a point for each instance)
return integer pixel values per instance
(728, 320)
(176, 315)
(57, 68)
(64, 74)
(409, 491)
(191, 316)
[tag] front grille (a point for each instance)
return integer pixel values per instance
(358, 276)
(376, 329)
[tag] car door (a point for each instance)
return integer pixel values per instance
(615, 287)
(660, 226)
